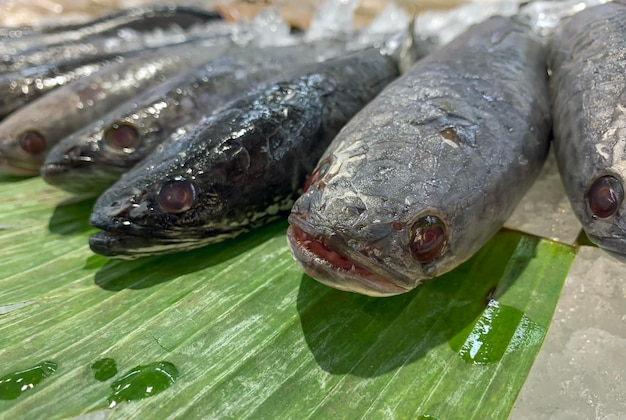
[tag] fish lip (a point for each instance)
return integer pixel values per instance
(53, 173)
(615, 246)
(128, 246)
(321, 270)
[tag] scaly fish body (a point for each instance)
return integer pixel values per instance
(93, 158)
(241, 166)
(588, 87)
(426, 173)
(29, 133)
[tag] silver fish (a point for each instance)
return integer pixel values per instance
(588, 88)
(426, 173)
(29, 133)
(93, 158)
(242, 166)
(116, 33)
(19, 88)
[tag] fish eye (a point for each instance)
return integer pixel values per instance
(605, 196)
(32, 142)
(176, 196)
(428, 239)
(318, 173)
(122, 136)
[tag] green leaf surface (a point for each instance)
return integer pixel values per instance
(248, 335)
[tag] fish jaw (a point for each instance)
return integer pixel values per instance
(76, 179)
(128, 247)
(328, 263)
(76, 169)
(614, 245)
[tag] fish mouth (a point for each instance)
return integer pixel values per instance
(129, 247)
(323, 261)
(54, 173)
(614, 246)
(78, 179)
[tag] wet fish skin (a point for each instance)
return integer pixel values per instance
(140, 19)
(440, 157)
(84, 162)
(67, 109)
(246, 161)
(19, 88)
(588, 89)
(123, 43)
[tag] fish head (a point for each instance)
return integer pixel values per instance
(380, 213)
(93, 158)
(602, 211)
(348, 236)
(22, 148)
(176, 199)
(593, 170)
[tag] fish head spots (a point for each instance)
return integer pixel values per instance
(32, 142)
(605, 197)
(429, 238)
(123, 137)
(176, 196)
(318, 174)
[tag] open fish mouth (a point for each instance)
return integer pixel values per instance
(332, 268)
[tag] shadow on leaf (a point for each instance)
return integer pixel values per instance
(71, 216)
(366, 336)
(147, 272)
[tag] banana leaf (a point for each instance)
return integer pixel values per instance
(236, 330)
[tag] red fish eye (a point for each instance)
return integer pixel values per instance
(176, 196)
(317, 174)
(32, 142)
(428, 239)
(122, 136)
(605, 196)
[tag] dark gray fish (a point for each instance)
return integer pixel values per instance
(90, 160)
(146, 18)
(426, 173)
(29, 133)
(588, 87)
(242, 166)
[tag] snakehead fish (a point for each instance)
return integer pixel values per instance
(241, 166)
(24, 86)
(588, 88)
(426, 173)
(132, 29)
(93, 158)
(29, 133)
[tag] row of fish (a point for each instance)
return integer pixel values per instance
(407, 177)
(427, 172)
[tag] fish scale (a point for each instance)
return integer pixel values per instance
(440, 158)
